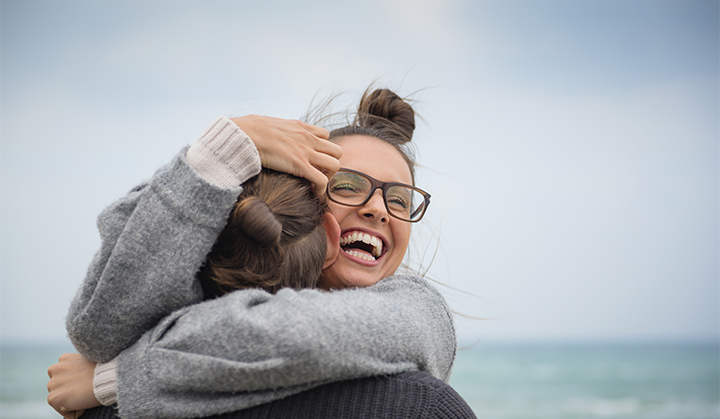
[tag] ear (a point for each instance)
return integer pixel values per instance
(332, 232)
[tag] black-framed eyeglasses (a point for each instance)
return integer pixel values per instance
(354, 189)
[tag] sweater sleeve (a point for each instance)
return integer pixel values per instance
(153, 242)
(224, 155)
(250, 347)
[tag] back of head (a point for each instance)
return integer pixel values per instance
(386, 116)
(274, 238)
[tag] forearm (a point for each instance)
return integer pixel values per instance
(250, 347)
(155, 240)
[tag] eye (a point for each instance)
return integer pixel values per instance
(398, 199)
(397, 202)
(345, 188)
(347, 185)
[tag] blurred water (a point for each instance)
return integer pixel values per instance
(665, 381)
(652, 381)
(23, 379)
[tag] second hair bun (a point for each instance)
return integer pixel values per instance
(258, 224)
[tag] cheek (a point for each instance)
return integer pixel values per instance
(338, 211)
(401, 234)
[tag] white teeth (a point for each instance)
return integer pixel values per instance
(377, 246)
(359, 254)
(373, 241)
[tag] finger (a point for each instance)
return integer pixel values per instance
(54, 369)
(69, 356)
(316, 131)
(56, 405)
(325, 164)
(51, 385)
(318, 179)
(329, 148)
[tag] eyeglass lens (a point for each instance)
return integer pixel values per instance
(353, 189)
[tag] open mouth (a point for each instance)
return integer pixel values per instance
(362, 245)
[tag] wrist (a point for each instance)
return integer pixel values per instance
(224, 155)
(105, 383)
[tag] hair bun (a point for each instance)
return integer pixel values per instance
(383, 109)
(257, 222)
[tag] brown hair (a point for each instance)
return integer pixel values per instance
(274, 238)
(384, 115)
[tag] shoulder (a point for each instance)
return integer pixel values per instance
(411, 287)
(438, 397)
(412, 394)
(404, 281)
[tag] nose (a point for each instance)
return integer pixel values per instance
(375, 208)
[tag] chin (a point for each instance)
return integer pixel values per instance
(331, 280)
(362, 281)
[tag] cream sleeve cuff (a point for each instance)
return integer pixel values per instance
(105, 383)
(224, 155)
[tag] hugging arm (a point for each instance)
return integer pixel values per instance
(250, 347)
(154, 240)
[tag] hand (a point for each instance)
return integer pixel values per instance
(293, 147)
(71, 386)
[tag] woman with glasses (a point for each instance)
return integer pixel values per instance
(162, 352)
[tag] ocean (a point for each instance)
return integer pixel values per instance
(499, 381)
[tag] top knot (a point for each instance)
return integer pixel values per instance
(386, 116)
(382, 109)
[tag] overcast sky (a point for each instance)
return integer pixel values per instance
(571, 148)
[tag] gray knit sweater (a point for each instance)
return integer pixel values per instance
(181, 357)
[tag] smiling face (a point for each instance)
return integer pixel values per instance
(373, 243)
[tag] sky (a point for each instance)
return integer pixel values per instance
(571, 148)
